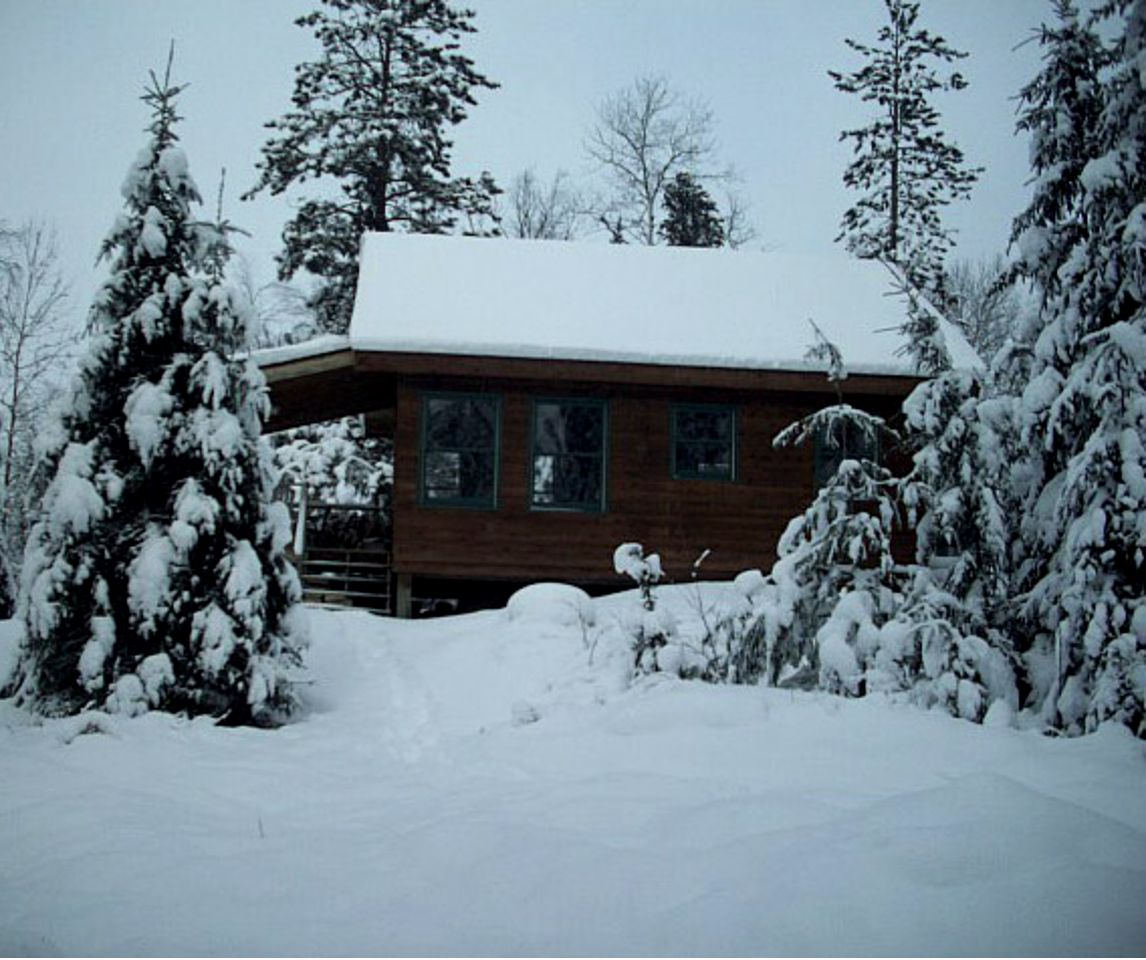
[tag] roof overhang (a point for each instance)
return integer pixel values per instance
(344, 382)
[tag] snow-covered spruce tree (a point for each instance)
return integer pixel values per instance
(691, 217)
(836, 575)
(905, 168)
(371, 115)
(155, 575)
(1085, 409)
(1060, 111)
(958, 499)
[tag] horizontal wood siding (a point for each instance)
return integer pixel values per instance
(739, 521)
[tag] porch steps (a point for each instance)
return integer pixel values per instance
(343, 577)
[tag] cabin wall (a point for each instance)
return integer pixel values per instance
(739, 521)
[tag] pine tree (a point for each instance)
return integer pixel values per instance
(905, 168)
(1060, 110)
(1085, 408)
(371, 115)
(155, 575)
(959, 502)
(691, 218)
(835, 563)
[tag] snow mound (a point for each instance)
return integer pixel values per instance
(558, 603)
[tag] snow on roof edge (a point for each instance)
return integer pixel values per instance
(315, 347)
(530, 352)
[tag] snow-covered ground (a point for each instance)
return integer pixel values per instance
(492, 784)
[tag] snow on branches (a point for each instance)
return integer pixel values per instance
(155, 576)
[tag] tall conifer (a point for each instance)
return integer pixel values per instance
(905, 168)
(371, 117)
(155, 575)
(1084, 412)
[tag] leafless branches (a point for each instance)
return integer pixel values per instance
(34, 339)
(643, 136)
(543, 212)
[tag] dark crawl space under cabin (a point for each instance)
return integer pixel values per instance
(549, 400)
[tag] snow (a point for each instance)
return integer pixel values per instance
(629, 559)
(153, 236)
(587, 301)
(315, 347)
(147, 411)
(494, 785)
(558, 603)
(77, 502)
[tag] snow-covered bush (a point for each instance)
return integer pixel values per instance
(558, 603)
(155, 576)
(739, 635)
(649, 629)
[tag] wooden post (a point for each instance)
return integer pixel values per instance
(403, 583)
(300, 526)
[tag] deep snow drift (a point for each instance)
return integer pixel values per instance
(493, 784)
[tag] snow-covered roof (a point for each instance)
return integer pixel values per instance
(315, 347)
(597, 301)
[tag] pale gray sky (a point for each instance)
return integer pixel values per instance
(71, 121)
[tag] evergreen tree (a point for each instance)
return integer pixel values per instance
(371, 115)
(691, 218)
(959, 502)
(835, 563)
(905, 168)
(155, 575)
(1085, 408)
(1060, 110)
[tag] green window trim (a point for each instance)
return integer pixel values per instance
(557, 504)
(680, 466)
(485, 501)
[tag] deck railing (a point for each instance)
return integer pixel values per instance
(342, 552)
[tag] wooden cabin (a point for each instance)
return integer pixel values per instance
(548, 401)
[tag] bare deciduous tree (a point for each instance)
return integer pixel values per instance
(35, 343)
(281, 312)
(543, 212)
(643, 136)
(982, 303)
(738, 228)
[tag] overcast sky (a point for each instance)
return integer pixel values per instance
(71, 72)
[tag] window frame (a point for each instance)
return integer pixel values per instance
(734, 459)
(602, 506)
(459, 503)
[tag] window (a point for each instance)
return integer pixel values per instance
(847, 437)
(568, 456)
(459, 450)
(703, 442)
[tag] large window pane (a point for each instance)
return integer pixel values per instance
(704, 442)
(459, 450)
(568, 454)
